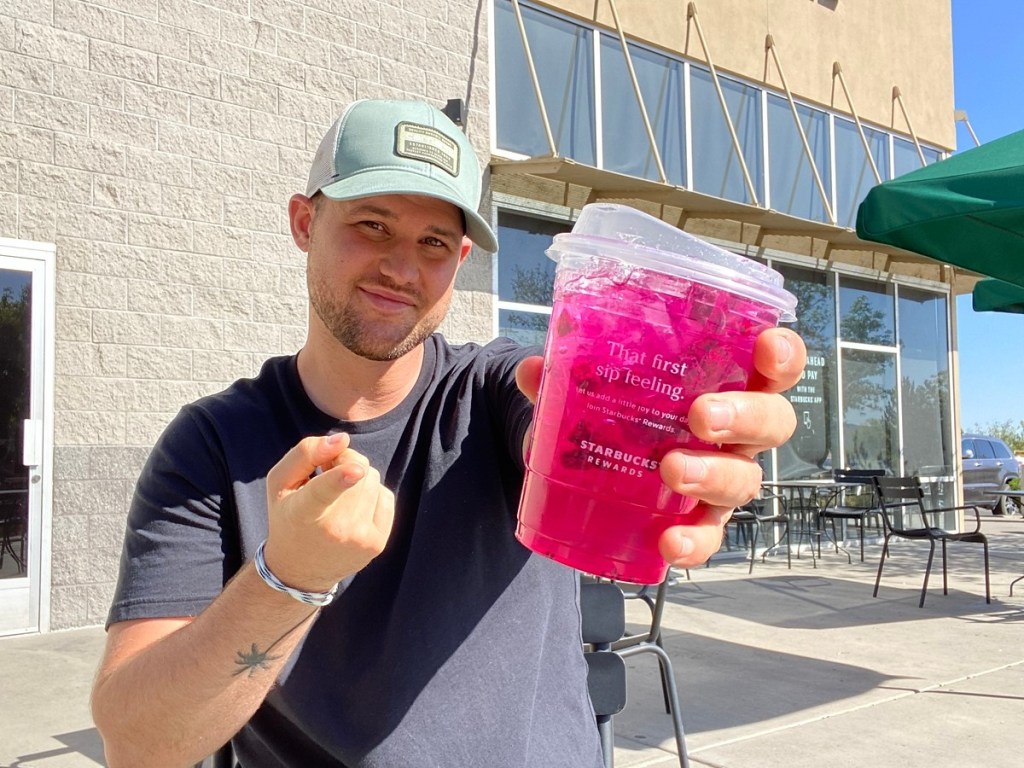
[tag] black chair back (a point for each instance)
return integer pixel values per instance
(901, 500)
(606, 645)
(857, 475)
(849, 473)
(603, 612)
(603, 621)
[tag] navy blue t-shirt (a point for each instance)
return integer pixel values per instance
(455, 647)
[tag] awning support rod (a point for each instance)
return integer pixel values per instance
(639, 95)
(837, 71)
(691, 14)
(960, 116)
(898, 97)
(769, 43)
(535, 80)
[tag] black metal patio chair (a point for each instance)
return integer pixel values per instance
(603, 613)
(851, 505)
(752, 520)
(901, 503)
(602, 607)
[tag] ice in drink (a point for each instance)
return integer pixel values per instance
(645, 318)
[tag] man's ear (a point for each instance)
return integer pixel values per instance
(300, 217)
(467, 246)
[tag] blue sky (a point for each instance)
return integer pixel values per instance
(988, 65)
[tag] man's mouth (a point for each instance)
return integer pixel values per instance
(387, 300)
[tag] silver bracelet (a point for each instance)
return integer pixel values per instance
(319, 599)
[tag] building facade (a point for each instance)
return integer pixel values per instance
(148, 149)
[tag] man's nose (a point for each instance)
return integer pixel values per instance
(399, 263)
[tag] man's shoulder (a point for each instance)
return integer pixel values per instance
(272, 400)
(272, 381)
(251, 422)
(497, 351)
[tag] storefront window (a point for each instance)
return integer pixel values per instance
(527, 328)
(525, 276)
(870, 420)
(716, 166)
(867, 314)
(809, 452)
(867, 318)
(626, 147)
(563, 53)
(793, 188)
(924, 374)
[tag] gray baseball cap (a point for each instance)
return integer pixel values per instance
(382, 147)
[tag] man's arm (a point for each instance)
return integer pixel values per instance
(171, 691)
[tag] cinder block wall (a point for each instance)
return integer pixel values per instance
(156, 143)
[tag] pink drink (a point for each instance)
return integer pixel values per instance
(629, 348)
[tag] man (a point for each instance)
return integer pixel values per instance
(358, 502)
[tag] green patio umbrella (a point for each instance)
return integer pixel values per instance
(966, 210)
(992, 295)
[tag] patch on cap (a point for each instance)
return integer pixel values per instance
(421, 142)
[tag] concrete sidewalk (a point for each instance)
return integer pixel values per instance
(803, 668)
(794, 668)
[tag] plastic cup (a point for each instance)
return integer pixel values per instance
(645, 318)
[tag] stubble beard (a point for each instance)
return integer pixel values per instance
(377, 340)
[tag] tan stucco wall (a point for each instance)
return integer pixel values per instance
(879, 44)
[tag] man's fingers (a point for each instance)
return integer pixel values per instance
(349, 456)
(295, 467)
(779, 359)
(687, 546)
(384, 513)
(528, 376)
(754, 420)
(325, 488)
(719, 478)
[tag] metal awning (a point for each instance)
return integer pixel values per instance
(609, 185)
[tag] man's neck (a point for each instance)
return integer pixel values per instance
(353, 388)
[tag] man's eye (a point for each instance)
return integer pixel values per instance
(374, 225)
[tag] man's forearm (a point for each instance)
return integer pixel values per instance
(177, 699)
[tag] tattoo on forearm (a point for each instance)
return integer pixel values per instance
(253, 659)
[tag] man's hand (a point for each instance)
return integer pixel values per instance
(328, 526)
(744, 423)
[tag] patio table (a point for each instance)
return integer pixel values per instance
(814, 496)
(1015, 495)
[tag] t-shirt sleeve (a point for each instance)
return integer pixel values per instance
(177, 553)
(512, 409)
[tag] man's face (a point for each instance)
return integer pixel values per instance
(381, 270)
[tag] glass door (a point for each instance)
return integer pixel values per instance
(23, 302)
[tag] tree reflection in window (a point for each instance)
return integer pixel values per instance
(928, 441)
(870, 415)
(526, 275)
(867, 312)
(15, 353)
(532, 286)
(809, 452)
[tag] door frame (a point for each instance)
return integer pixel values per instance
(40, 259)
